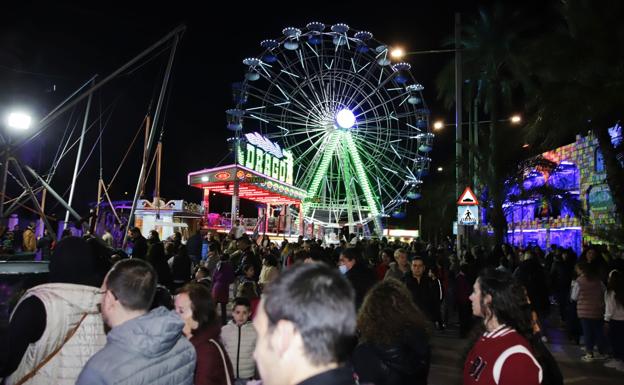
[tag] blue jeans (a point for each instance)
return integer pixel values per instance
(593, 335)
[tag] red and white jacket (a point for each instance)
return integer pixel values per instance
(502, 357)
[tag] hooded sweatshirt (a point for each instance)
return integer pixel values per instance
(149, 349)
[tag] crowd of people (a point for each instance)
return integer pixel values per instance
(228, 309)
(23, 240)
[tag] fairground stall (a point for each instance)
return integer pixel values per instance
(263, 174)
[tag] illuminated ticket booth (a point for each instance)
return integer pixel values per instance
(263, 174)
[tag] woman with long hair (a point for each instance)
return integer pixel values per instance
(506, 353)
(394, 344)
(195, 306)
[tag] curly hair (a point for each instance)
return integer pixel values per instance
(388, 312)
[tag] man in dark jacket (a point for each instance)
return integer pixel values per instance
(359, 275)
(139, 243)
(45, 245)
(304, 319)
(194, 247)
(424, 292)
(142, 347)
(532, 276)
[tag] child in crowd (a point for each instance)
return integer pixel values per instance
(249, 290)
(202, 275)
(239, 339)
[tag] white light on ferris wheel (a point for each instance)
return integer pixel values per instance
(345, 118)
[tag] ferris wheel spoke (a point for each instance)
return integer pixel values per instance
(271, 119)
(379, 87)
(298, 68)
(293, 67)
(368, 77)
(296, 117)
(387, 163)
(266, 97)
(311, 164)
(308, 139)
(385, 102)
(281, 85)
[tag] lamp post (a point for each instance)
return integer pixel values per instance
(398, 53)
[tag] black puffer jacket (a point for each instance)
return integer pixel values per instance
(404, 363)
(362, 279)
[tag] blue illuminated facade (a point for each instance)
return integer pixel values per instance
(546, 205)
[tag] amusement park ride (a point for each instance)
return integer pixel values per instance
(354, 123)
(326, 124)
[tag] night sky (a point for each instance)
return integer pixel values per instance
(47, 51)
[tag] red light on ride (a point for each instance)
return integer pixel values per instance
(223, 175)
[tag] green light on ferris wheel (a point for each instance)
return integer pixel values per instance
(359, 168)
(321, 171)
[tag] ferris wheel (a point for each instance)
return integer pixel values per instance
(355, 121)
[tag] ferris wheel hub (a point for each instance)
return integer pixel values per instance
(345, 118)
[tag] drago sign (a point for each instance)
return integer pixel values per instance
(260, 154)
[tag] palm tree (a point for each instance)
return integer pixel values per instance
(578, 69)
(492, 53)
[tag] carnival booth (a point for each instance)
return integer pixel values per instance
(263, 173)
(168, 217)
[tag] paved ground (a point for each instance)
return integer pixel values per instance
(449, 350)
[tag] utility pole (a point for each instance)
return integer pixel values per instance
(458, 120)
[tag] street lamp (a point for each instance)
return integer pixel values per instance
(15, 120)
(19, 120)
(399, 53)
(515, 119)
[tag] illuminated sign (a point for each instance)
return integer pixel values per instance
(266, 157)
(222, 175)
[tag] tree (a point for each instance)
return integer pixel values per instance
(578, 75)
(493, 65)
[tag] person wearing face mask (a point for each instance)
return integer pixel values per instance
(355, 270)
(195, 307)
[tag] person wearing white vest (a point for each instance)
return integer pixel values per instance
(239, 339)
(56, 327)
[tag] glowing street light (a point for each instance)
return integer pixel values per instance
(516, 119)
(438, 125)
(19, 120)
(440, 169)
(397, 53)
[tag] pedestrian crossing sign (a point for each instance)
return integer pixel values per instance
(468, 215)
